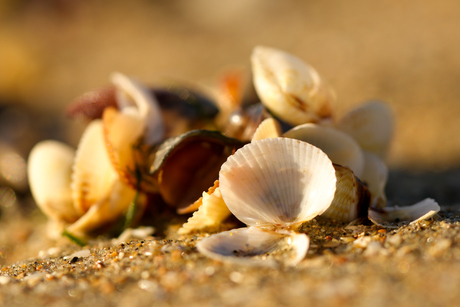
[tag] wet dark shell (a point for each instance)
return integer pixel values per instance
(187, 165)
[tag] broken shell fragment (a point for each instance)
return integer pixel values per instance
(392, 216)
(371, 125)
(49, 169)
(375, 176)
(268, 128)
(290, 88)
(212, 212)
(340, 147)
(190, 163)
(351, 198)
(236, 245)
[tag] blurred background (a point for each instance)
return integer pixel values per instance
(405, 52)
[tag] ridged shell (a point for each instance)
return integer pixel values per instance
(375, 176)
(239, 246)
(371, 125)
(290, 88)
(391, 216)
(49, 169)
(277, 182)
(351, 198)
(93, 174)
(340, 147)
(268, 128)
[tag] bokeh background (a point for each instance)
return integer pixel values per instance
(405, 52)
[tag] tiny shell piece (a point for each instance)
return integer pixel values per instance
(268, 128)
(340, 147)
(391, 216)
(236, 245)
(290, 88)
(371, 125)
(211, 213)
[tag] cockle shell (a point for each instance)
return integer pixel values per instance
(49, 170)
(351, 198)
(371, 125)
(272, 185)
(290, 88)
(340, 147)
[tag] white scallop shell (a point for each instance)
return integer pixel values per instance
(341, 148)
(371, 125)
(290, 88)
(277, 182)
(268, 128)
(391, 216)
(241, 245)
(211, 213)
(375, 176)
(49, 170)
(93, 174)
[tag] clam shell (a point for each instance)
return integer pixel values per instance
(371, 125)
(211, 213)
(93, 174)
(268, 128)
(351, 198)
(290, 88)
(375, 176)
(49, 169)
(240, 246)
(341, 148)
(392, 216)
(277, 182)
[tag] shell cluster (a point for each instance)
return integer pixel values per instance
(281, 160)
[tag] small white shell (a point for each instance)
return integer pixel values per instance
(211, 213)
(93, 174)
(268, 128)
(391, 216)
(371, 125)
(340, 147)
(49, 170)
(375, 176)
(236, 245)
(290, 88)
(277, 182)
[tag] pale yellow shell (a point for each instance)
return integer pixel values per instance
(290, 88)
(351, 198)
(49, 170)
(268, 128)
(211, 213)
(340, 147)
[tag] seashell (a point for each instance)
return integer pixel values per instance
(190, 163)
(375, 176)
(341, 148)
(244, 122)
(138, 123)
(211, 213)
(272, 185)
(49, 170)
(290, 88)
(93, 174)
(371, 125)
(91, 105)
(351, 198)
(108, 208)
(268, 128)
(235, 245)
(277, 181)
(392, 216)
